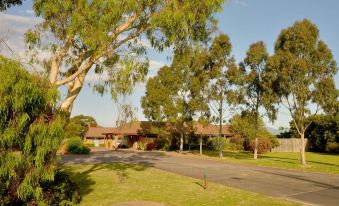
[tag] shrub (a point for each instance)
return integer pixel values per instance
(76, 146)
(332, 147)
(62, 191)
(142, 146)
(152, 146)
(264, 145)
(163, 143)
(31, 131)
(237, 142)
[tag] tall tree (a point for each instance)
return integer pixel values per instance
(111, 37)
(174, 95)
(224, 73)
(251, 87)
(300, 74)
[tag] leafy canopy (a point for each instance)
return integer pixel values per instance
(111, 36)
(31, 131)
(301, 71)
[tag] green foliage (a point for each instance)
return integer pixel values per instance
(31, 130)
(78, 125)
(112, 37)
(301, 72)
(180, 93)
(332, 147)
(62, 191)
(142, 146)
(321, 132)
(227, 144)
(76, 146)
(4, 4)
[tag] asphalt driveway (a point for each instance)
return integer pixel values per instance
(311, 188)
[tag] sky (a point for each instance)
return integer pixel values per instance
(245, 21)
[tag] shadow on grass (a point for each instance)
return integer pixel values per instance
(230, 154)
(84, 178)
(294, 160)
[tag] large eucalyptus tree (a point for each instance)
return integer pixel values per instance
(112, 36)
(300, 76)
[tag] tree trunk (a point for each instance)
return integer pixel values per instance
(255, 155)
(181, 141)
(220, 146)
(73, 92)
(200, 144)
(302, 148)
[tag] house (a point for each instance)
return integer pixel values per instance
(130, 134)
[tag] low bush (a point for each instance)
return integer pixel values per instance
(76, 146)
(163, 143)
(237, 142)
(142, 146)
(332, 147)
(152, 146)
(60, 191)
(213, 144)
(264, 145)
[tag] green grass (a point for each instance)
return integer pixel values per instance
(316, 162)
(106, 184)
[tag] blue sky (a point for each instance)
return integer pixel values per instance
(245, 21)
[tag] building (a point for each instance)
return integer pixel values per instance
(129, 135)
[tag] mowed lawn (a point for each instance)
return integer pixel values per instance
(106, 184)
(316, 162)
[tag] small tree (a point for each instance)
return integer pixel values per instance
(251, 87)
(300, 74)
(224, 73)
(30, 133)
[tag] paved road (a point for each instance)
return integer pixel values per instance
(311, 188)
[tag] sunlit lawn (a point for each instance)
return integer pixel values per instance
(316, 162)
(106, 184)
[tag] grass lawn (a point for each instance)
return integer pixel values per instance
(316, 162)
(106, 184)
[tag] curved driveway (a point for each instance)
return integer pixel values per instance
(311, 188)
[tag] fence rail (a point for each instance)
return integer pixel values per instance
(288, 145)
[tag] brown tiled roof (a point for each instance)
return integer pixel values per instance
(98, 132)
(136, 127)
(145, 127)
(211, 129)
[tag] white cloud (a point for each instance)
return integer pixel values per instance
(12, 30)
(30, 12)
(154, 67)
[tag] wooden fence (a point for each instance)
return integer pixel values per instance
(288, 145)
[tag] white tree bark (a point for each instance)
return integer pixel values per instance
(73, 92)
